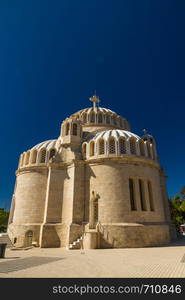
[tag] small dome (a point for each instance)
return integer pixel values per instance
(50, 144)
(116, 133)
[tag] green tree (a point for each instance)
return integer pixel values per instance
(4, 215)
(177, 207)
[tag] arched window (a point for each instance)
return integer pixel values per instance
(108, 119)
(112, 146)
(101, 147)
(85, 118)
(43, 156)
(27, 158)
(67, 128)
(148, 149)
(132, 194)
(132, 146)
(114, 120)
(52, 153)
(92, 117)
(142, 194)
(74, 129)
(100, 119)
(142, 147)
(34, 157)
(122, 146)
(121, 122)
(92, 145)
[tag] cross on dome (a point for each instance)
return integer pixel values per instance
(95, 100)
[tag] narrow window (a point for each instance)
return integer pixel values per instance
(84, 150)
(114, 120)
(92, 117)
(132, 194)
(132, 146)
(52, 153)
(101, 147)
(148, 148)
(85, 118)
(92, 149)
(74, 129)
(122, 146)
(150, 194)
(34, 157)
(67, 128)
(107, 119)
(100, 119)
(43, 156)
(121, 122)
(141, 147)
(142, 194)
(112, 146)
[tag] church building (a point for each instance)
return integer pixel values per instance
(98, 185)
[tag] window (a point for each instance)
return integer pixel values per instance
(132, 146)
(121, 122)
(132, 194)
(112, 146)
(142, 147)
(107, 119)
(92, 149)
(34, 157)
(27, 158)
(52, 153)
(100, 119)
(122, 146)
(148, 148)
(67, 128)
(142, 194)
(43, 156)
(85, 118)
(114, 120)
(92, 117)
(101, 147)
(84, 150)
(153, 151)
(74, 129)
(150, 194)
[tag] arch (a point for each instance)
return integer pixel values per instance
(67, 129)
(52, 153)
(132, 146)
(107, 119)
(114, 120)
(34, 157)
(43, 156)
(148, 149)
(75, 129)
(142, 148)
(92, 146)
(27, 158)
(101, 146)
(28, 238)
(121, 122)
(100, 118)
(112, 146)
(92, 117)
(122, 146)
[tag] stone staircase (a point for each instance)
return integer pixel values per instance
(4, 238)
(76, 244)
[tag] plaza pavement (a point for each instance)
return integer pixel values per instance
(159, 262)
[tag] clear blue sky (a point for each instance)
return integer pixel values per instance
(54, 54)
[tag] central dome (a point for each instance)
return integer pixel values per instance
(100, 116)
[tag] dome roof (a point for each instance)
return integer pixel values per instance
(50, 144)
(89, 110)
(116, 133)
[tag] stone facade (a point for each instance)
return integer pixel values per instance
(97, 186)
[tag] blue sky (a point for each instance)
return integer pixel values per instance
(54, 54)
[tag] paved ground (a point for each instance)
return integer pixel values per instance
(167, 261)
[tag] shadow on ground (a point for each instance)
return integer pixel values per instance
(25, 263)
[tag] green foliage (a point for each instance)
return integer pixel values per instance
(177, 208)
(4, 215)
